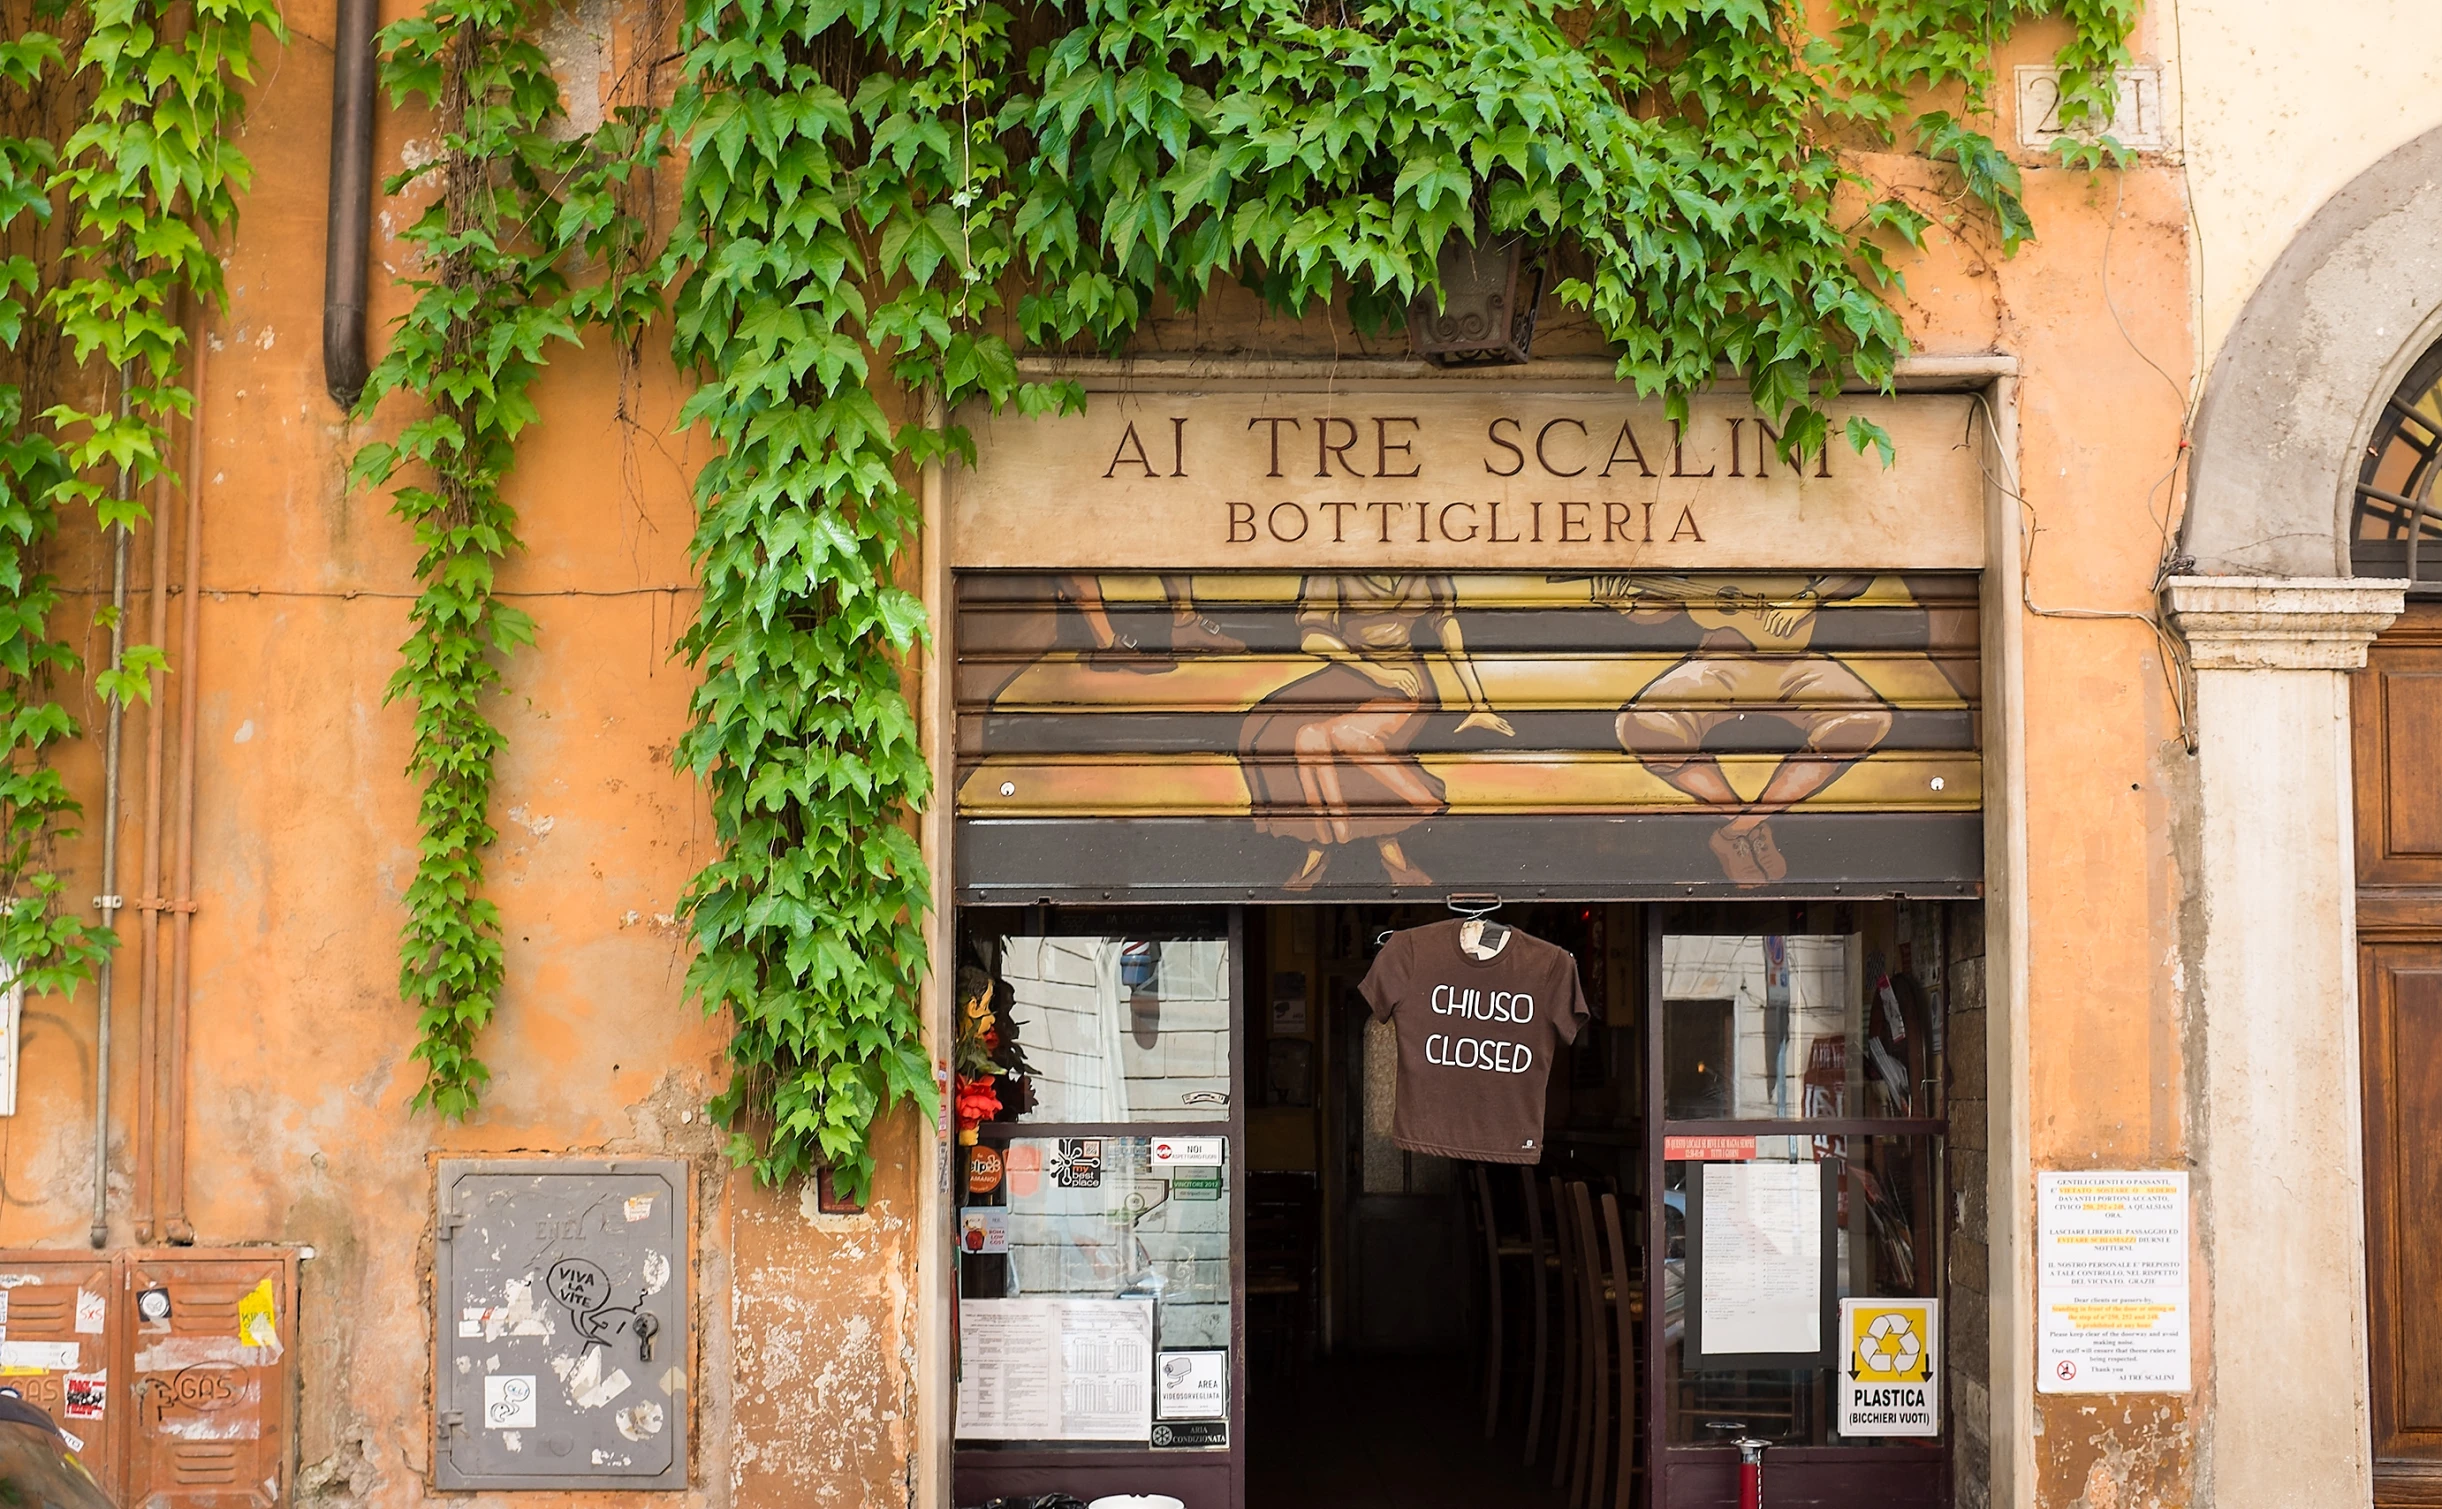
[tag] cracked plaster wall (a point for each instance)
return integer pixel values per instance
(300, 1126)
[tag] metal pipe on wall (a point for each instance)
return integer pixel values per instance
(148, 897)
(109, 901)
(173, 1174)
(348, 246)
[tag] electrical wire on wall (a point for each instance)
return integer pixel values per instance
(2178, 678)
(2163, 499)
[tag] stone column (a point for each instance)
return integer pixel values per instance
(2272, 1038)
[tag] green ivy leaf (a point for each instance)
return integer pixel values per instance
(1674, 154)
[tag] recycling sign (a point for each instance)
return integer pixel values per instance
(1890, 1367)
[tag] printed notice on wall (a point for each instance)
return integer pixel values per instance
(1055, 1369)
(1762, 1275)
(2113, 1283)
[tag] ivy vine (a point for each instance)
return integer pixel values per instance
(151, 178)
(1895, 54)
(148, 172)
(471, 347)
(826, 234)
(50, 947)
(514, 200)
(866, 176)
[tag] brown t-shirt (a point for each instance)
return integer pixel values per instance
(1475, 1039)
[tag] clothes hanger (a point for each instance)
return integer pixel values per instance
(1477, 907)
(1471, 904)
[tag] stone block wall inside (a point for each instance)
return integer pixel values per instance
(1942, 944)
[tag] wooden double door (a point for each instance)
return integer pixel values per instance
(2397, 717)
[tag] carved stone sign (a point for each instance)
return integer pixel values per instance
(1456, 475)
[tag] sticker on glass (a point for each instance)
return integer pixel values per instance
(984, 1229)
(1191, 1385)
(1078, 1164)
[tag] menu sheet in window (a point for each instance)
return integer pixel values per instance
(1055, 1369)
(1763, 1258)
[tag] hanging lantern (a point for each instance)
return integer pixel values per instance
(1487, 314)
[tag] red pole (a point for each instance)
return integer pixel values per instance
(1750, 1473)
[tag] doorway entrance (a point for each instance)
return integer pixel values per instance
(1194, 1259)
(1421, 1358)
(2396, 714)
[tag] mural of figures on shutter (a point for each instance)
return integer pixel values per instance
(1236, 736)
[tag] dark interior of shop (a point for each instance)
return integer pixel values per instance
(1375, 1377)
(1418, 1331)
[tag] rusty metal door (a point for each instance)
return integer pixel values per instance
(172, 1372)
(62, 1335)
(211, 1378)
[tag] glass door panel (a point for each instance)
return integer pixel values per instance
(1119, 1027)
(1100, 1327)
(1800, 1165)
(1778, 1027)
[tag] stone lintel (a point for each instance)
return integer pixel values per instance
(2281, 623)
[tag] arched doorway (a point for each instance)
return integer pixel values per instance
(2316, 884)
(2396, 720)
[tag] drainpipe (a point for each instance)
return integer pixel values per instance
(109, 901)
(148, 896)
(182, 908)
(347, 248)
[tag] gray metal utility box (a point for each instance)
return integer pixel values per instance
(560, 1345)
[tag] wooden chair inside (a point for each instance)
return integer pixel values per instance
(1543, 1266)
(1597, 1297)
(1500, 1250)
(1571, 1333)
(1283, 1266)
(1628, 1311)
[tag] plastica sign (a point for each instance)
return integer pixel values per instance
(1890, 1367)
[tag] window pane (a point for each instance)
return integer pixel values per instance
(1883, 1246)
(1114, 1028)
(1783, 1026)
(1089, 1219)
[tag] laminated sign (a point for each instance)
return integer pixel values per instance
(1890, 1367)
(2112, 1282)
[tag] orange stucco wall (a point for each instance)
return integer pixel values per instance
(300, 1130)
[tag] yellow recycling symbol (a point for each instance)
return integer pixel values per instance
(1889, 1345)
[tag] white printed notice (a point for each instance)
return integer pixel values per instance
(1106, 1369)
(1055, 1369)
(1762, 1268)
(2112, 1284)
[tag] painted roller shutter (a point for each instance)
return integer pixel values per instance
(1240, 736)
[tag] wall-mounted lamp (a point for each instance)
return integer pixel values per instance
(1487, 317)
